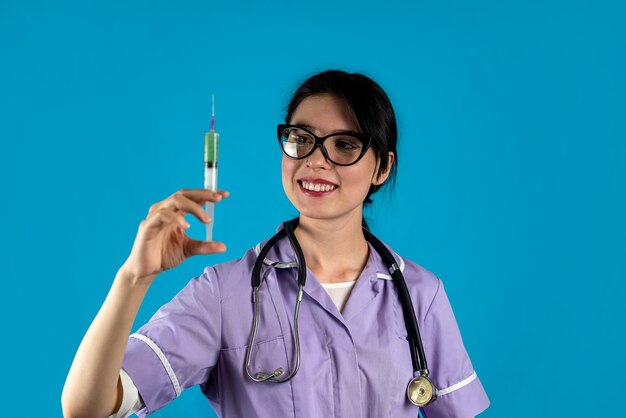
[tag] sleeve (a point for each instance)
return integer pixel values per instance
(179, 346)
(460, 392)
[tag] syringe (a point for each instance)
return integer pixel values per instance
(210, 168)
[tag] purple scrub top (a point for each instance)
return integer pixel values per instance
(353, 364)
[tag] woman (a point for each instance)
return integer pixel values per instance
(339, 147)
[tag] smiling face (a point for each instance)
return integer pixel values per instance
(318, 188)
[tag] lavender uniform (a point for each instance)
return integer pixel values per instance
(354, 363)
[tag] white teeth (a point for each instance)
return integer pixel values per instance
(318, 187)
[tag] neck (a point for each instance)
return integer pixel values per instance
(335, 250)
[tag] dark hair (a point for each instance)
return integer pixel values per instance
(370, 106)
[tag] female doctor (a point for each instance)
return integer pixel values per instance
(351, 350)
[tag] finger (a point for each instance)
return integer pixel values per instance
(195, 195)
(195, 247)
(163, 216)
(184, 205)
(204, 195)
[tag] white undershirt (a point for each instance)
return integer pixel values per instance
(131, 402)
(339, 292)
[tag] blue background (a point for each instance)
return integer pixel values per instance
(512, 163)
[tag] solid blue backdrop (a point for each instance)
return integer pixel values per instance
(510, 183)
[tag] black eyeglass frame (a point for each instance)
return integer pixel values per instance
(365, 139)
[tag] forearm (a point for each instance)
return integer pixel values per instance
(91, 385)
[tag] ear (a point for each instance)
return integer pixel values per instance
(377, 181)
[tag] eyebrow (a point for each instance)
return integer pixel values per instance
(311, 128)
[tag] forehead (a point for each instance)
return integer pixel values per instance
(324, 114)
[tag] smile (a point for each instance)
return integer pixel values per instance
(316, 187)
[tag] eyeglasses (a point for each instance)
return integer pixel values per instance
(340, 148)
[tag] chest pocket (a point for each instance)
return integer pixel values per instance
(241, 396)
(238, 394)
(268, 356)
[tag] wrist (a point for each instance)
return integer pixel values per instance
(133, 281)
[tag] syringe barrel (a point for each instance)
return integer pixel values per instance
(210, 183)
(211, 140)
(210, 212)
(210, 177)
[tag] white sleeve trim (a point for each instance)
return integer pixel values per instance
(457, 386)
(131, 402)
(164, 361)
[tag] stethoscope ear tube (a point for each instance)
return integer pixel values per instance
(273, 376)
(256, 282)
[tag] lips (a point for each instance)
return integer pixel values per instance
(316, 181)
(316, 187)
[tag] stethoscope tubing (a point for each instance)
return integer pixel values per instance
(273, 377)
(416, 348)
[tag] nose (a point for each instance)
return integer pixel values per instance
(317, 158)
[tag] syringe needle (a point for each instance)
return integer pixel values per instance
(212, 112)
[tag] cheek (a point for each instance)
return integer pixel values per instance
(360, 175)
(355, 183)
(287, 169)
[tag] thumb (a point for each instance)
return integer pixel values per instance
(196, 247)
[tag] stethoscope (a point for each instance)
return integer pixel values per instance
(421, 391)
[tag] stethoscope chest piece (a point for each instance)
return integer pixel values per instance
(421, 391)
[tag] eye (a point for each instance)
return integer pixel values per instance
(300, 137)
(347, 144)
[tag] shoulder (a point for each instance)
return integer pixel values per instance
(235, 276)
(423, 284)
(417, 275)
(231, 277)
